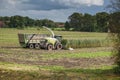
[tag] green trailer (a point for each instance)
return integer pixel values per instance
(40, 41)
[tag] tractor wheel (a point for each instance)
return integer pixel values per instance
(50, 47)
(59, 46)
(37, 46)
(31, 46)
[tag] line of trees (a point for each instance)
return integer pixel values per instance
(22, 22)
(76, 22)
(115, 30)
(87, 22)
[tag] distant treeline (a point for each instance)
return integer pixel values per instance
(23, 22)
(99, 22)
(76, 22)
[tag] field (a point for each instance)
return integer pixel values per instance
(16, 63)
(9, 37)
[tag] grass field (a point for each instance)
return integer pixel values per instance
(16, 63)
(9, 37)
(85, 64)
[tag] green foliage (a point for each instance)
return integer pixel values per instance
(114, 26)
(21, 22)
(67, 26)
(86, 43)
(64, 43)
(76, 55)
(115, 30)
(76, 21)
(48, 23)
(114, 23)
(58, 29)
(102, 19)
(89, 23)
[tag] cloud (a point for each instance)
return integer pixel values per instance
(47, 4)
(55, 15)
(11, 4)
(78, 3)
(4, 4)
(59, 4)
(57, 10)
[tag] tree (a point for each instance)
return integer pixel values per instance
(88, 23)
(67, 26)
(5, 20)
(76, 21)
(114, 26)
(102, 21)
(48, 23)
(38, 23)
(17, 22)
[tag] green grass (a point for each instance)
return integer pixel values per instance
(32, 72)
(32, 68)
(77, 55)
(8, 36)
(16, 70)
(32, 55)
(86, 43)
(25, 67)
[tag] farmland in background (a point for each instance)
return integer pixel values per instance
(83, 63)
(8, 37)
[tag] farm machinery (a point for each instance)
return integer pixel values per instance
(40, 41)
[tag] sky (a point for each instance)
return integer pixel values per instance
(56, 10)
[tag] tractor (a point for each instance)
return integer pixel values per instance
(41, 41)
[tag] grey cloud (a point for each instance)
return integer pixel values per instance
(42, 5)
(47, 4)
(57, 10)
(4, 4)
(58, 4)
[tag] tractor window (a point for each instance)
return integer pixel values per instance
(59, 38)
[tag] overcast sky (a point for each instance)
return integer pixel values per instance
(57, 10)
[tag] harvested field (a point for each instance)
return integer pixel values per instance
(62, 58)
(93, 63)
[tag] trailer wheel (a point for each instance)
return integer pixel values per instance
(59, 46)
(37, 46)
(31, 46)
(49, 47)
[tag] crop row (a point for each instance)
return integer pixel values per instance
(85, 43)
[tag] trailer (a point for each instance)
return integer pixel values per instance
(40, 41)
